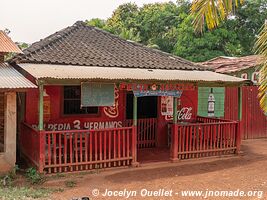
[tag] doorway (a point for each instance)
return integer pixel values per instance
(147, 111)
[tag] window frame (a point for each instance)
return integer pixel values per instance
(257, 74)
(245, 73)
(63, 115)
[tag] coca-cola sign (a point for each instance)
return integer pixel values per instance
(185, 113)
(182, 115)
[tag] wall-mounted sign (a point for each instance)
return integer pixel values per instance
(166, 105)
(183, 114)
(156, 87)
(97, 94)
(77, 125)
(211, 104)
(47, 107)
(157, 93)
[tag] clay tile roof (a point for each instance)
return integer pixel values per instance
(83, 45)
(224, 64)
(7, 45)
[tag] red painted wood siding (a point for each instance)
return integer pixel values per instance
(188, 99)
(254, 122)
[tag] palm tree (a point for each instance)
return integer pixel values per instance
(213, 12)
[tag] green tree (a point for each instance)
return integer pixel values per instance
(198, 48)
(96, 22)
(123, 18)
(157, 24)
(213, 12)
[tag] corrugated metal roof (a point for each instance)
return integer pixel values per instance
(225, 65)
(12, 79)
(7, 45)
(43, 71)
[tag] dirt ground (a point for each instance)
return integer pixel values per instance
(246, 172)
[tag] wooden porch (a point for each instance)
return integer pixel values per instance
(78, 150)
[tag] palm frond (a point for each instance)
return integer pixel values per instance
(212, 12)
(261, 49)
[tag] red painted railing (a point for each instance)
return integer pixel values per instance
(146, 132)
(210, 137)
(77, 150)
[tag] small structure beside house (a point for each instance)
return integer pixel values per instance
(11, 82)
(254, 121)
(246, 67)
(107, 102)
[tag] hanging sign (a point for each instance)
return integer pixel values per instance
(47, 107)
(97, 94)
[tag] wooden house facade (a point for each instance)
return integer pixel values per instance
(254, 121)
(105, 102)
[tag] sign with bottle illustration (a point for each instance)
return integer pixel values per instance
(166, 105)
(211, 104)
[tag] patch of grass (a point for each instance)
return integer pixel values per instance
(34, 176)
(87, 172)
(70, 184)
(16, 193)
(60, 175)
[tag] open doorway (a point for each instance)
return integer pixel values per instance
(147, 110)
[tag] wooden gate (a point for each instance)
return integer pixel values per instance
(146, 132)
(254, 122)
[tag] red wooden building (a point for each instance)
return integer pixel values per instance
(106, 102)
(254, 120)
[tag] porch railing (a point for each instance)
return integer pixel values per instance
(210, 137)
(77, 150)
(146, 132)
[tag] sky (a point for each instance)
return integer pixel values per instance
(32, 20)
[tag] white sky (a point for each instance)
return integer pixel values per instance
(32, 20)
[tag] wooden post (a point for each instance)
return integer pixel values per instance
(174, 138)
(41, 151)
(134, 134)
(41, 106)
(10, 128)
(135, 111)
(239, 130)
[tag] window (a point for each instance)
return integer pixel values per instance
(72, 102)
(244, 76)
(255, 77)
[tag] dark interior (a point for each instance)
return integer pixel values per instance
(146, 107)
